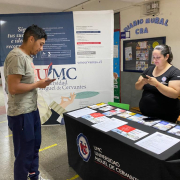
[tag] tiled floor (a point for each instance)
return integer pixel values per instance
(53, 160)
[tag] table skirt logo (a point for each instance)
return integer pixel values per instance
(83, 147)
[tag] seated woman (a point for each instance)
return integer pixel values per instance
(161, 85)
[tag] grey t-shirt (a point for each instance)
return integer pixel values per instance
(17, 62)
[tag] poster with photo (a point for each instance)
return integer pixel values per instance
(141, 65)
(128, 53)
(142, 55)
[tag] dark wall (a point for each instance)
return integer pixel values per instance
(129, 94)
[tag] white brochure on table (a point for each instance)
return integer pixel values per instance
(81, 112)
(157, 142)
(109, 125)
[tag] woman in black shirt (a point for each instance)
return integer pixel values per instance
(161, 87)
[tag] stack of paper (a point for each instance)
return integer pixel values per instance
(106, 108)
(175, 130)
(126, 114)
(95, 117)
(164, 126)
(109, 124)
(97, 105)
(81, 112)
(110, 113)
(130, 132)
(157, 142)
(137, 118)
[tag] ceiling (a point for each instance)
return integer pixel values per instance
(61, 5)
(134, 1)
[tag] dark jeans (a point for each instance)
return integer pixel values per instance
(26, 129)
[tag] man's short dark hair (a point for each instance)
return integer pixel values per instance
(36, 32)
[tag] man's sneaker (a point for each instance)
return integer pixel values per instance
(40, 178)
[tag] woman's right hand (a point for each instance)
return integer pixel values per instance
(144, 81)
(140, 83)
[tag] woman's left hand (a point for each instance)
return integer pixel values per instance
(152, 81)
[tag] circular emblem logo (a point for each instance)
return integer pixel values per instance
(83, 147)
(164, 79)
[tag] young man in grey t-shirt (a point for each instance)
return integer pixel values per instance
(23, 115)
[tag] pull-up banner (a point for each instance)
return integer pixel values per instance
(78, 53)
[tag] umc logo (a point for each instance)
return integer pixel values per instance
(63, 73)
(83, 147)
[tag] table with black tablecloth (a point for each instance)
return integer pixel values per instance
(114, 157)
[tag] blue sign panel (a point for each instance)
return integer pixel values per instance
(59, 47)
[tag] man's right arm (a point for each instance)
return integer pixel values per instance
(16, 87)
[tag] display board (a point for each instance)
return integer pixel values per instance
(78, 53)
(137, 54)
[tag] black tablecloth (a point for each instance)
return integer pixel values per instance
(114, 157)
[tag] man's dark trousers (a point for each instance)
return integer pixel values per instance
(26, 129)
